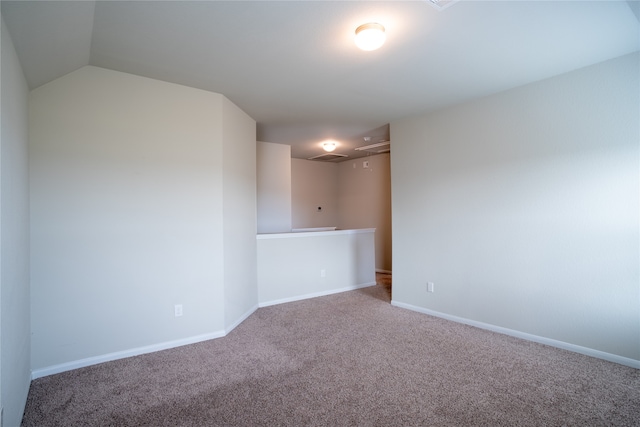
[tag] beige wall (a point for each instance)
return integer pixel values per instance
(314, 184)
(364, 200)
(351, 197)
(522, 208)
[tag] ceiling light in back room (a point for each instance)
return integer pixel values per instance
(329, 146)
(370, 36)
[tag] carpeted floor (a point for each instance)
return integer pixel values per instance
(348, 359)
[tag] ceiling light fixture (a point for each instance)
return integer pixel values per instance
(329, 146)
(370, 36)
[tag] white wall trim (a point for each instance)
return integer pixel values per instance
(525, 336)
(76, 364)
(63, 367)
(240, 320)
(315, 294)
(313, 233)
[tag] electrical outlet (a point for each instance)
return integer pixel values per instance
(429, 286)
(365, 164)
(323, 273)
(177, 310)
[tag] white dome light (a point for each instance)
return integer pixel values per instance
(370, 36)
(329, 146)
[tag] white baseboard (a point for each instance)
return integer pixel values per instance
(240, 320)
(76, 364)
(379, 270)
(529, 337)
(315, 294)
(63, 367)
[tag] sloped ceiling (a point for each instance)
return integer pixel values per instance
(293, 67)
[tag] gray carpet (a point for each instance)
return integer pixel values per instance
(348, 359)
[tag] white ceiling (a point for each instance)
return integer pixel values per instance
(293, 67)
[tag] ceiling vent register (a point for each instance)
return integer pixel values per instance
(441, 4)
(380, 147)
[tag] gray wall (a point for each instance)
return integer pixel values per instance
(293, 266)
(273, 166)
(522, 208)
(15, 339)
(131, 203)
(239, 214)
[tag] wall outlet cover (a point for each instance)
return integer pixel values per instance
(177, 310)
